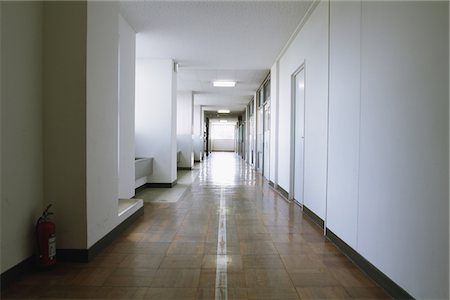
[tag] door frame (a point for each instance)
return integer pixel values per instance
(301, 68)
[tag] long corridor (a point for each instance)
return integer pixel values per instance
(229, 237)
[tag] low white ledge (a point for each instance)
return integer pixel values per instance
(143, 167)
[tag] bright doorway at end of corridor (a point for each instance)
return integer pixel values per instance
(223, 135)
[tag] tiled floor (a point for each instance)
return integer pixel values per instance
(272, 250)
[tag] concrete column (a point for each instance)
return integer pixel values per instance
(185, 114)
(81, 120)
(127, 71)
(102, 119)
(197, 135)
(155, 118)
(65, 39)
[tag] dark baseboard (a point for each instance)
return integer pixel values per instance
(13, 274)
(113, 234)
(86, 255)
(154, 185)
(184, 168)
(315, 218)
(160, 185)
(271, 183)
(282, 192)
(373, 272)
(139, 189)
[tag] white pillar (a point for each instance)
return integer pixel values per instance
(102, 117)
(185, 114)
(274, 123)
(197, 135)
(155, 118)
(127, 71)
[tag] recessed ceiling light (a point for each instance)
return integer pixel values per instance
(223, 121)
(224, 83)
(223, 111)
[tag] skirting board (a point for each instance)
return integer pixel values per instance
(139, 189)
(373, 272)
(86, 255)
(271, 183)
(184, 168)
(13, 274)
(393, 289)
(315, 218)
(160, 185)
(282, 192)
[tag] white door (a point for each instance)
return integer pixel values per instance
(299, 136)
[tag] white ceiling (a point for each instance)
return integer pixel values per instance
(236, 40)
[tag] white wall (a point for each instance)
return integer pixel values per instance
(388, 157)
(309, 47)
(343, 166)
(127, 62)
(65, 28)
(22, 132)
(155, 124)
(185, 114)
(404, 144)
(102, 119)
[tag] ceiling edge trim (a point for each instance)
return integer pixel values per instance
(299, 27)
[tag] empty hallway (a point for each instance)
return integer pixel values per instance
(174, 250)
(225, 149)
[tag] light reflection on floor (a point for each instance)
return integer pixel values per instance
(226, 169)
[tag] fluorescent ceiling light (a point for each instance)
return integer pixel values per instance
(224, 83)
(223, 111)
(223, 121)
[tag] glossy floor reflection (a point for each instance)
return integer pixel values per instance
(272, 251)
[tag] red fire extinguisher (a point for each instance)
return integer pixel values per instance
(46, 240)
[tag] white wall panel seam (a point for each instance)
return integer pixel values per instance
(359, 124)
(328, 126)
